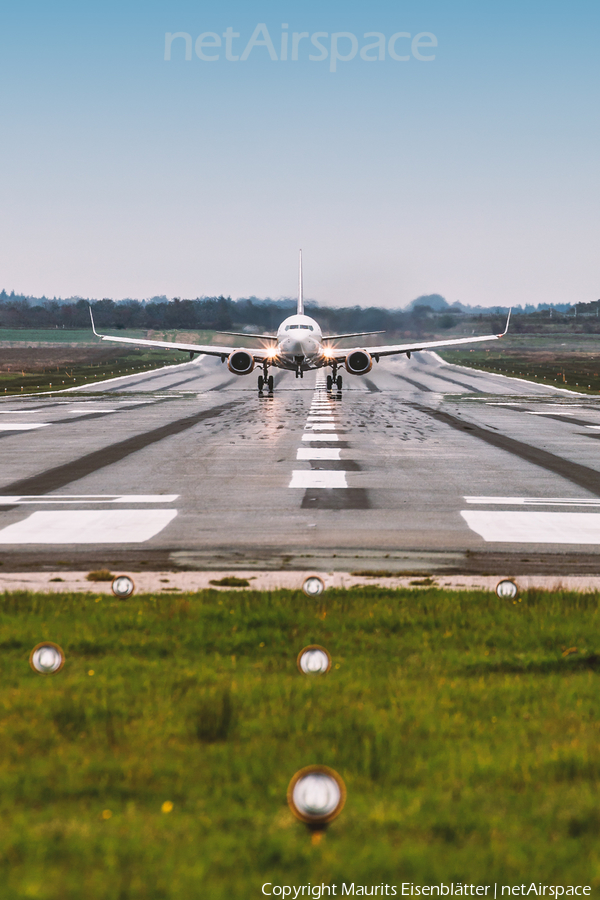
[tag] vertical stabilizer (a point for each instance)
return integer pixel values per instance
(300, 289)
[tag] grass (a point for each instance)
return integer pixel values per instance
(576, 371)
(34, 379)
(155, 765)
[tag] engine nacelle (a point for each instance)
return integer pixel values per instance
(359, 362)
(240, 362)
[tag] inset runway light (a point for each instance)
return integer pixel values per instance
(123, 587)
(47, 658)
(316, 795)
(506, 589)
(314, 660)
(313, 586)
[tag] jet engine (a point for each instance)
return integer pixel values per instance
(359, 362)
(240, 362)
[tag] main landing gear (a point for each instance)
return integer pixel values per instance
(265, 380)
(334, 380)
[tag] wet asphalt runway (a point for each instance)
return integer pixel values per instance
(419, 466)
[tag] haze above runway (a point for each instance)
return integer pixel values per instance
(419, 466)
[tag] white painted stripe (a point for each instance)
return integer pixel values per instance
(321, 427)
(115, 526)
(317, 479)
(320, 418)
(87, 498)
(535, 527)
(318, 453)
(321, 437)
(13, 426)
(533, 501)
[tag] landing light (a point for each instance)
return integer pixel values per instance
(123, 587)
(316, 795)
(314, 660)
(506, 589)
(47, 658)
(313, 586)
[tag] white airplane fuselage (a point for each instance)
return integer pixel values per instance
(300, 343)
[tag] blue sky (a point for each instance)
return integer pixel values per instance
(474, 174)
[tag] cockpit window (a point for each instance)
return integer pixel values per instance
(306, 327)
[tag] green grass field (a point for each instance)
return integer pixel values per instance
(573, 370)
(467, 735)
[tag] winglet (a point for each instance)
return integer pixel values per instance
(93, 326)
(507, 323)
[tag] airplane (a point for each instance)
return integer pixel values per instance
(300, 346)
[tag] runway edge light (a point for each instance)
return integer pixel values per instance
(507, 589)
(123, 587)
(316, 795)
(47, 658)
(313, 586)
(314, 660)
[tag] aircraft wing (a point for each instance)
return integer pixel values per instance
(207, 350)
(415, 346)
(336, 337)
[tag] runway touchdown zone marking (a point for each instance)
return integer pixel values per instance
(123, 526)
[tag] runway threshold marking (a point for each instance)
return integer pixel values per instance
(123, 526)
(534, 527)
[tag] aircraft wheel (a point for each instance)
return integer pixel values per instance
(329, 382)
(270, 383)
(338, 382)
(261, 382)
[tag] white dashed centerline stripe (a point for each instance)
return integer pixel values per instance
(319, 478)
(321, 437)
(318, 453)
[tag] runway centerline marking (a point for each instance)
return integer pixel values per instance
(322, 437)
(534, 527)
(321, 478)
(309, 453)
(108, 526)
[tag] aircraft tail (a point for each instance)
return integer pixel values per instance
(300, 309)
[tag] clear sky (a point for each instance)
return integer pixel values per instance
(474, 174)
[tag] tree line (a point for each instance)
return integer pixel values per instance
(223, 313)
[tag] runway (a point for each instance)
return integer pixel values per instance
(420, 466)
